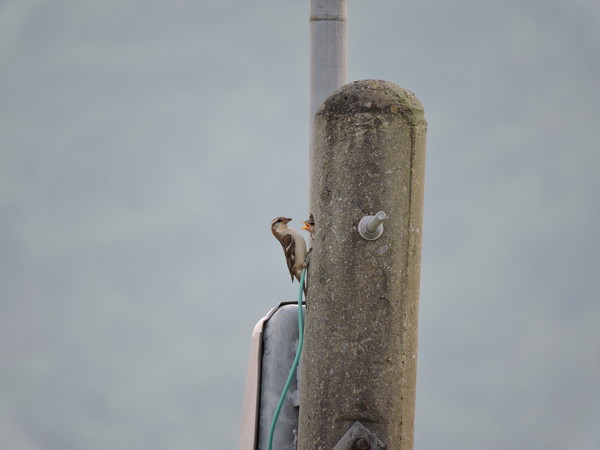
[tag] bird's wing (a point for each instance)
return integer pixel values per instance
(289, 249)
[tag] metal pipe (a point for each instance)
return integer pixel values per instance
(328, 51)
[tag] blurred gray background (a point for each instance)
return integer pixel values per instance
(146, 145)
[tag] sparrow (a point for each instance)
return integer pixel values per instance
(309, 225)
(294, 245)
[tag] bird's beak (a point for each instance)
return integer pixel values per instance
(287, 220)
(305, 227)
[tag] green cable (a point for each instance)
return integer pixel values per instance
(294, 364)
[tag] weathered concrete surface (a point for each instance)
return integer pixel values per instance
(361, 326)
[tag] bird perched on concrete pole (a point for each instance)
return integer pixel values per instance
(309, 225)
(294, 245)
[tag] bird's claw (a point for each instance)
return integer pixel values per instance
(307, 258)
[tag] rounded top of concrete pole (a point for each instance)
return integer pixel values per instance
(370, 96)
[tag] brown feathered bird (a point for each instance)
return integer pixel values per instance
(309, 225)
(294, 245)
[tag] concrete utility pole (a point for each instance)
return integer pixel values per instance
(359, 362)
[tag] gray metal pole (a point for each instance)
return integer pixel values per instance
(361, 327)
(328, 51)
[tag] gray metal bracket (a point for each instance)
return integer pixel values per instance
(371, 227)
(359, 437)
